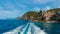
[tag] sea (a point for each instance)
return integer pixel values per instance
(28, 27)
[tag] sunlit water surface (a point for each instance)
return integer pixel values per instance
(28, 27)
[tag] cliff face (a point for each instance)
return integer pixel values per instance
(56, 14)
(49, 15)
(33, 16)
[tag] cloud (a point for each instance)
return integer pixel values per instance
(36, 9)
(47, 8)
(9, 14)
(58, 6)
(9, 6)
(16, 5)
(11, 10)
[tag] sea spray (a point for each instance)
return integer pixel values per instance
(24, 30)
(29, 28)
(36, 30)
(15, 31)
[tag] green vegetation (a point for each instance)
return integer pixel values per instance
(38, 16)
(55, 10)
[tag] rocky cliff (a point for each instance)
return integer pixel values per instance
(49, 15)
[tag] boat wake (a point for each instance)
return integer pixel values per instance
(36, 30)
(30, 28)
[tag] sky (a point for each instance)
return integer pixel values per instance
(16, 8)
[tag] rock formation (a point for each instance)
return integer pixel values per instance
(49, 15)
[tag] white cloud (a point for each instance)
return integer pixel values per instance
(9, 14)
(58, 6)
(10, 10)
(36, 9)
(47, 8)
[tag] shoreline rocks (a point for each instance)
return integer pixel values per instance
(49, 15)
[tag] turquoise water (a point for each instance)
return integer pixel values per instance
(27, 27)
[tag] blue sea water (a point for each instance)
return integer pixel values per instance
(7, 25)
(28, 27)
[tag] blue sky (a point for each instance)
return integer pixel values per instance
(16, 8)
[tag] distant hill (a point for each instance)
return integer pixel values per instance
(49, 15)
(55, 10)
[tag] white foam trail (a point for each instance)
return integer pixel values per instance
(18, 29)
(37, 30)
(29, 30)
(15, 31)
(24, 29)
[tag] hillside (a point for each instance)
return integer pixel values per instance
(49, 15)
